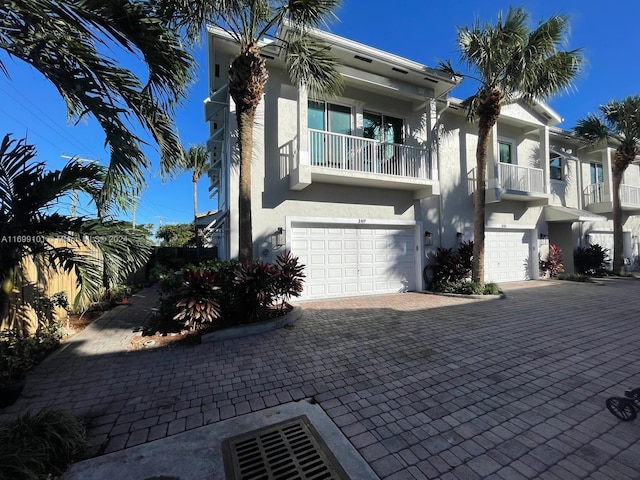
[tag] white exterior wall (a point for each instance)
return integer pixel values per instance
(274, 201)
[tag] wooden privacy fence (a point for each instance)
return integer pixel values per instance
(37, 282)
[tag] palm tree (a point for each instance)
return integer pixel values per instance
(29, 224)
(195, 160)
(247, 22)
(618, 122)
(68, 42)
(511, 62)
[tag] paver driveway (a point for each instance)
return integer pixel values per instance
(423, 386)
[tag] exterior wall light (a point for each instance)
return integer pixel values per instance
(279, 237)
(428, 239)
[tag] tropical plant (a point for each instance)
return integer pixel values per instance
(618, 122)
(511, 62)
(553, 265)
(247, 22)
(70, 43)
(199, 304)
(41, 445)
(591, 260)
(451, 266)
(31, 227)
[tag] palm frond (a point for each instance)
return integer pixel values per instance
(591, 129)
(309, 63)
(65, 41)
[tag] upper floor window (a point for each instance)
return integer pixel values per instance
(505, 152)
(329, 117)
(555, 168)
(383, 128)
(597, 175)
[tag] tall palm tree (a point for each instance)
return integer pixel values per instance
(29, 224)
(248, 22)
(511, 62)
(195, 160)
(68, 42)
(619, 122)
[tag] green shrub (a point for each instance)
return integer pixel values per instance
(19, 352)
(40, 446)
(574, 277)
(591, 260)
(492, 289)
(467, 288)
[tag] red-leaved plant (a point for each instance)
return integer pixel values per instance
(200, 304)
(553, 264)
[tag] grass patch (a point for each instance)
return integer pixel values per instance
(34, 447)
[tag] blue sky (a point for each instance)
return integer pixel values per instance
(421, 31)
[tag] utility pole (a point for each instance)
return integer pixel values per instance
(74, 193)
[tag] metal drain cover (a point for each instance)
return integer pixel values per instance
(288, 450)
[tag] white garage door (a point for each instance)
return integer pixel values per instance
(507, 255)
(343, 260)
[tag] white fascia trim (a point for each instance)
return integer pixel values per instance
(509, 226)
(350, 221)
(382, 56)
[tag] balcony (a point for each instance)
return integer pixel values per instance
(597, 200)
(349, 160)
(515, 182)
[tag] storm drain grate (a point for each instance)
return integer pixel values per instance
(288, 450)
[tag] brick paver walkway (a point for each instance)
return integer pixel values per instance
(423, 386)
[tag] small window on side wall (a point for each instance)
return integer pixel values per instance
(555, 168)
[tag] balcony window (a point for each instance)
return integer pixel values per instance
(555, 168)
(383, 128)
(505, 152)
(596, 173)
(329, 117)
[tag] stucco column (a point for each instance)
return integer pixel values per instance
(302, 128)
(429, 166)
(607, 187)
(544, 159)
(493, 160)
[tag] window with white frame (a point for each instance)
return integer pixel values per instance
(596, 173)
(506, 150)
(556, 170)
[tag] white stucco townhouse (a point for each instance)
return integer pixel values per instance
(362, 187)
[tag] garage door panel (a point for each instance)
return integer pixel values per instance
(354, 260)
(507, 256)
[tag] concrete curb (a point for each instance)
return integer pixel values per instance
(254, 328)
(475, 297)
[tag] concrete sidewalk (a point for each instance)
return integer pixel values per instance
(421, 386)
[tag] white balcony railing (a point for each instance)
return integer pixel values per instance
(594, 193)
(513, 177)
(346, 152)
(520, 178)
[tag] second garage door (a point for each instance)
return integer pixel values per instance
(507, 255)
(344, 260)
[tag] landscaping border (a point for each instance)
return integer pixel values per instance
(254, 328)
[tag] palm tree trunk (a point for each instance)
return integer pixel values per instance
(247, 78)
(245, 131)
(488, 113)
(484, 135)
(194, 179)
(618, 244)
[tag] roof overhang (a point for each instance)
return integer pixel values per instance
(562, 153)
(553, 213)
(210, 219)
